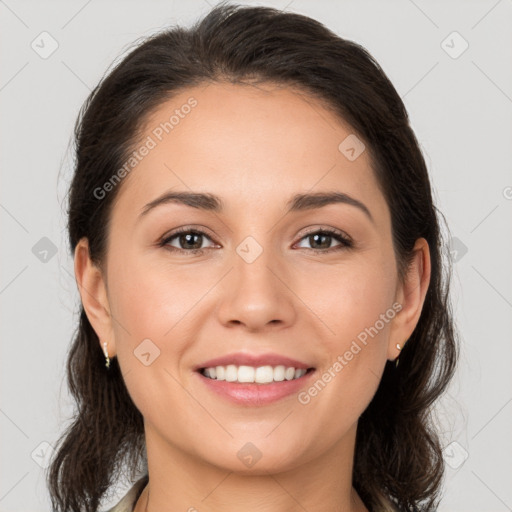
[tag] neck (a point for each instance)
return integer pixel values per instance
(181, 481)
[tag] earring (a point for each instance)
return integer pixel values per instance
(399, 348)
(105, 351)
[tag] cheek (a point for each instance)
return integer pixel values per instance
(365, 298)
(152, 295)
(356, 307)
(348, 299)
(151, 304)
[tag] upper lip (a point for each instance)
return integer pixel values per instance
(256, 360)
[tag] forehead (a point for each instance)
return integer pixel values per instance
(248, 144)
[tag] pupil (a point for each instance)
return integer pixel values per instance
(315, 238)
(185, 239)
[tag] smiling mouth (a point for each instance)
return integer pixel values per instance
(242, 374)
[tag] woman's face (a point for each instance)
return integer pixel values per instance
(267, 280)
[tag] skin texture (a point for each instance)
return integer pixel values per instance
(254, 147)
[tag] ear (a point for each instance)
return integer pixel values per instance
(411, 296)
(93, 292)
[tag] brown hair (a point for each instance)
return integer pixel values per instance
(398, 454)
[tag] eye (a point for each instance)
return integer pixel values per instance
(321, 240)
(188, 240)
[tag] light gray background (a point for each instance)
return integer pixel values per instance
(460, 109)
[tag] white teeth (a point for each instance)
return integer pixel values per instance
(220, 371)
(245, 374)
(250, 374)
(279, 373)
(231, 373)
(210, 372)
(264, 374)
(289, 374)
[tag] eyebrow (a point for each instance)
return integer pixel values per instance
(298, 202)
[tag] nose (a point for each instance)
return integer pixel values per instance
(257, 295)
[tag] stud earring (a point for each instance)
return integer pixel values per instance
(105, 351)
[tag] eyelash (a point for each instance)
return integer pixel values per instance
(346, 242)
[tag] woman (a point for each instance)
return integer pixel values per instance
(256, 249)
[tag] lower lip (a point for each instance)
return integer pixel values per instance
(255, 394)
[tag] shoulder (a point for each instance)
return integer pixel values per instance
(127, 503)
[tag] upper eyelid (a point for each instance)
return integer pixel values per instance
(187, 229)
(333, 231)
